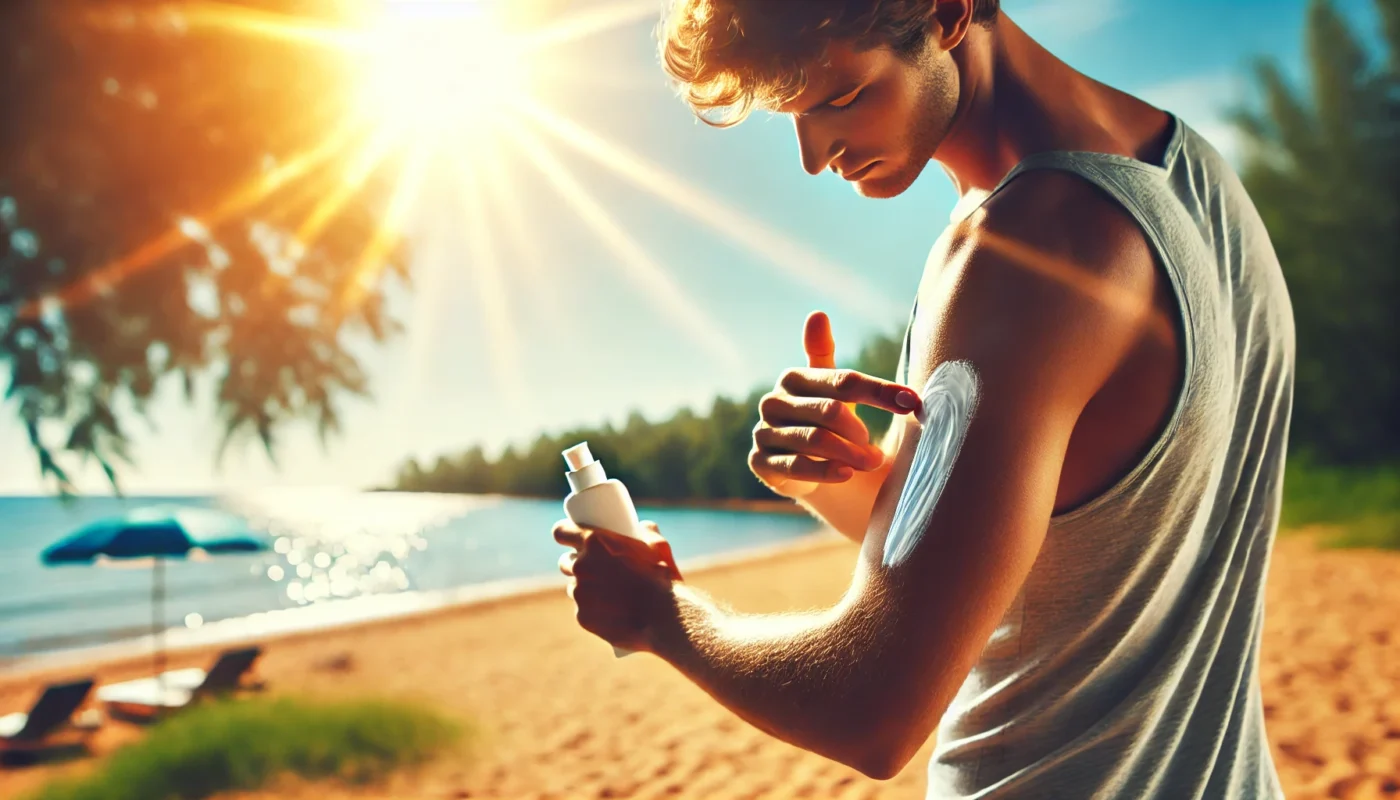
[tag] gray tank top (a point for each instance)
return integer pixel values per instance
(1128, 665)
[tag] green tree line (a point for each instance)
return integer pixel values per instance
(689, 456)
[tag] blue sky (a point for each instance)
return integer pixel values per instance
(590, 345)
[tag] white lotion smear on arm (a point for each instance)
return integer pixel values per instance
(950, 398)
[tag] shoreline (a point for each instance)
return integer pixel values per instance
(364, 613)
(278, 623)
(764, 506)
(774, 505)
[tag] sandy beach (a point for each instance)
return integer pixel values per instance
(562, 718)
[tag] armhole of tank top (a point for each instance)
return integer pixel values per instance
(1099, 173)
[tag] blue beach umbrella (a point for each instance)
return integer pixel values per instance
(156, 534)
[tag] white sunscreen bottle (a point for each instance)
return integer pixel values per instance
(597, 501)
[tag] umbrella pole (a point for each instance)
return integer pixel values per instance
(157, 618)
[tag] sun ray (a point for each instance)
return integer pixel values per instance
(589, 23)
(485, 269)
(251, 193)
(795, 260)
(267, 24)
(322, 125)
(640, 267)
(234, 19)
(559, 75)
(390, 230)
(1119, 299)
(437, 258)
(354, 177)
(294, 199)
(497, 183)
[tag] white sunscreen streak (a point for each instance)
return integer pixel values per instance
(950, 398)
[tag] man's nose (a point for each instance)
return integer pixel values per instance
(817, 149)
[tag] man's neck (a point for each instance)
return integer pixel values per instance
(1018, 99)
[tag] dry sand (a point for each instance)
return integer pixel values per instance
(563, 719)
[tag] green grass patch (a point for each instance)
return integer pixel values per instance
(1361, 506)
(1381, 531)
(244, 745)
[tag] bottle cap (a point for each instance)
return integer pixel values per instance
(578, 456)
(584, 469)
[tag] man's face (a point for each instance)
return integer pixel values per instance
(873, 117)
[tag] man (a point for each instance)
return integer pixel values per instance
(1066, 532)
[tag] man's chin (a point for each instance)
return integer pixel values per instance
(886, 186)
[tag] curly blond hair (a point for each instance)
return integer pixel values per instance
(735, 55)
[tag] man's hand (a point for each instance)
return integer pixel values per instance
(618, 583)
(809, 433)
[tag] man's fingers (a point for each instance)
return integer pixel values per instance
(850, 386)
(818, 442)
(781, 410)
(803, 468)
(576, 536)
(817, 341)
(568, 534)
(566, 563)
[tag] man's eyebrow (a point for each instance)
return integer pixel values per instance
(845, 89)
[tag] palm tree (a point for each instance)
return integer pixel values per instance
(1323, 166)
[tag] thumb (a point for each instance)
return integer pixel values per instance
(818, 342)
(651, 534)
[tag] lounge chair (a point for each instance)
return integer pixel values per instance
(174, 689)
(50, 724)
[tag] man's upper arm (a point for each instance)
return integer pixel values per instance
(1051, 286)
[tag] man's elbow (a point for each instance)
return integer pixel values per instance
(885, 744)
(884, 762)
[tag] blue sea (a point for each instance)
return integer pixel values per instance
(338, 556)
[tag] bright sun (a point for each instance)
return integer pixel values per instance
(440, 73)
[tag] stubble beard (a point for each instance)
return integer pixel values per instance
(935, 107)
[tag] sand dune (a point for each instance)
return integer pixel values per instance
(563, 719)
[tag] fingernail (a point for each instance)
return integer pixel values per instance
(844, 472)
(906, 399)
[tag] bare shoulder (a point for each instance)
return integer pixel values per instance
(1068, 219)
(1051, 281)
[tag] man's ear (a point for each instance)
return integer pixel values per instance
(949, 21)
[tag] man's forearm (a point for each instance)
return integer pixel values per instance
(803, 678)
(846, 507)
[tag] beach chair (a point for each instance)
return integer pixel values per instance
(50, 724)
(146, 698)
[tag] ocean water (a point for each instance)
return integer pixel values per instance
(338, 556)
